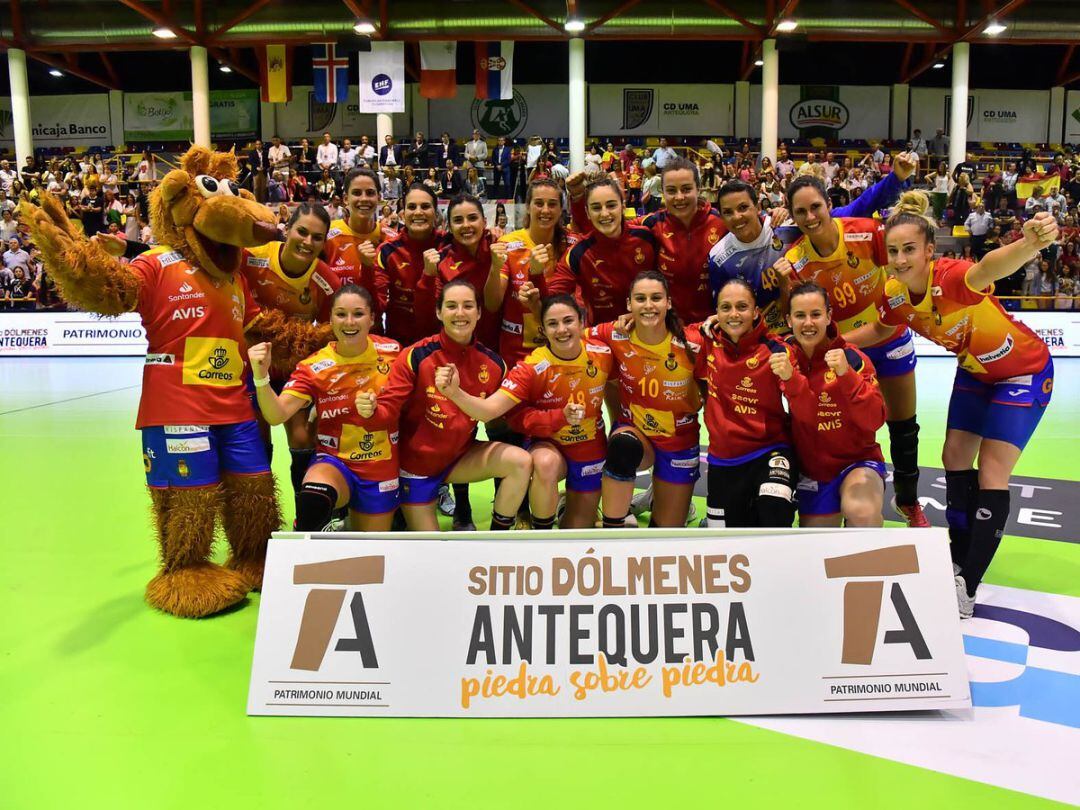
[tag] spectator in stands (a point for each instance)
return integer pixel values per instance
(326, 187)
(919, 146)
(628, 155)
(475, 185)
(838, 195)
(878, 156)
(710, 184)
(966, 166)
(785, 166)
(431, 180)
(939, 146)
(15, 257)
(347, 156)
(500, 163)
(7, 177)
(1044, 286)
(533, 153)
(18, 292)
(1068, 287)
(30, 171)
(391, 188)
(993, 240)
(993, 190)
(446, 150)
(365, 152)
(280, 157)
(663, 155)
(609, 160)
(9, 228)
(960, 200)
(832, 168)
(389, 221)
(6, 204)
(518, 175)
(91, 209)
(418, 155)
(652, 189)
(298, 186)
(304, 158)
(476, 151)
(1008, 183)
(634, 179)
(1038, 201)
(326, 156)
(257, 167)
(940, 184)
(1072, 186)
(335, 209)
(1057, 198)
(389, 153)
(131, 218)
(1070, 256)
(112, 209)
(978, 225)
(449, 181)
(594, 161)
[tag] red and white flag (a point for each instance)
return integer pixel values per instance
(438, 69)
(495, 70)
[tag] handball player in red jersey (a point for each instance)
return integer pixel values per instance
(752, 470)
(836, 409)
(438, 440)
(290, 276)
(352, 242)
(846, 256)
(354, 466)
(1004, 378)
(554, 397)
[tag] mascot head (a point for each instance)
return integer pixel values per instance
(200, 211)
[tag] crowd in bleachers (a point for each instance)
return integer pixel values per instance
(980, 203)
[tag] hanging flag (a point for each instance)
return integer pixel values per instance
(275, 73)
(438, 69)
(382, 78)
(330, 74)
(495, 70)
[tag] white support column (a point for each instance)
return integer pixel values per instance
(742, 110)
(1056, 126)
(20, 106)
(384, 125)
(958, 110)
(200, 95)
(770, 99)
(116, 116)
(577, 104)
(901, 95)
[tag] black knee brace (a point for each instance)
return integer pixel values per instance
(624, 454)
(904, 449)
(314, 506)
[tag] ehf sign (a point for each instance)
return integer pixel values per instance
(691, 622)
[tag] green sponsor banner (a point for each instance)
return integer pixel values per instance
(168, 116)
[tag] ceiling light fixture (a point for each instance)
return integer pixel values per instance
(164, 33)
(994, 28)
(786, 26)
(938, 65)
(364, 27)
(54, 72)
(225, 69)
(759, 63)
(574, 26)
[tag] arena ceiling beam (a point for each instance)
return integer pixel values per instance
(239, 18)
(165, 22)
(922, 15)
(1065, 61)
(728, 12)
(532, 12)
(615, 12)
(967, 35)
(71, 65)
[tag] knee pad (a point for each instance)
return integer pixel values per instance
(961, 493)
(315, 506)
(624, 454)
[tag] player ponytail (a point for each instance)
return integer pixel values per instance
(911, 209)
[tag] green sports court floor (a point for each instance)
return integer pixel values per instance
(109, 704)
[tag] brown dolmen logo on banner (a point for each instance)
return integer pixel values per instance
(862, 601)
(323, 606)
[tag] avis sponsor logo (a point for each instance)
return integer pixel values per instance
(330, 413)
(188, 313)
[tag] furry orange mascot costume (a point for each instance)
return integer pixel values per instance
(202, 453)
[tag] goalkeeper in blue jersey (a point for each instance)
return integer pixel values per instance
(752, 246)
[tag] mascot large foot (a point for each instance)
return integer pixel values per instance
(188, 584)
(250, 514)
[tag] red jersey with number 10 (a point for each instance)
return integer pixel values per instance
(196, 358)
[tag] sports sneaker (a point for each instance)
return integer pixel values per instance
(445, 501)
(335, 525)
(631, 521)
(691, 516)
(956, 569)
(642, 501)
(913, 515)
(523, 522)
(965, 602)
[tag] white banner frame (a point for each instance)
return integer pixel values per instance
(789, 615)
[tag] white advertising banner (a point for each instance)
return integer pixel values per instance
(1072, 116)
(535, 109)
(827, 111)
(686, 622)
(661, 109)
(70, 334)
(1060, 332)
(382, 78)
(304, 117)
(1009, 116)
(68, 120)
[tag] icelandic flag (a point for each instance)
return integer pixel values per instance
(495, 70)
(330, 74)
